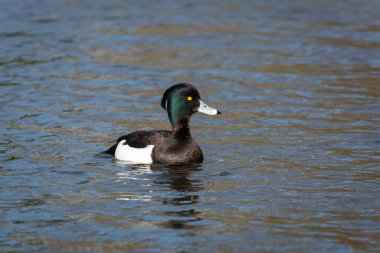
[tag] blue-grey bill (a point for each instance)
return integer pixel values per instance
(207, 109)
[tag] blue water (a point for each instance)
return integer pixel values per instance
(291, 165)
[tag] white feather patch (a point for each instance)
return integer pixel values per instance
(134, 155)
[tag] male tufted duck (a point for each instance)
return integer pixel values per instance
(163, 146)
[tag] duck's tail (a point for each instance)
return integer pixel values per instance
(110, 151)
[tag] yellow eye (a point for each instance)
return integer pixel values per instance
(189, 98)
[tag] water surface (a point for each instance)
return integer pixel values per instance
(292, 164)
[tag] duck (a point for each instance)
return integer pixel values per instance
(177, 146)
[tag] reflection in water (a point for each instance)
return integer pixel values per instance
(184, 223)
(176, 177)
(134, 174)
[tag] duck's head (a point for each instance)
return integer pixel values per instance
(181, 101)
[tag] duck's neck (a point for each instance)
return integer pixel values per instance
(181, 128)
(179, 118)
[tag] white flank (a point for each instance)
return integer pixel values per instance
(134, 155)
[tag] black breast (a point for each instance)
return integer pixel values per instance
(175, 151)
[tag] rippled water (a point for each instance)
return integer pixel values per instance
(292, 164)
